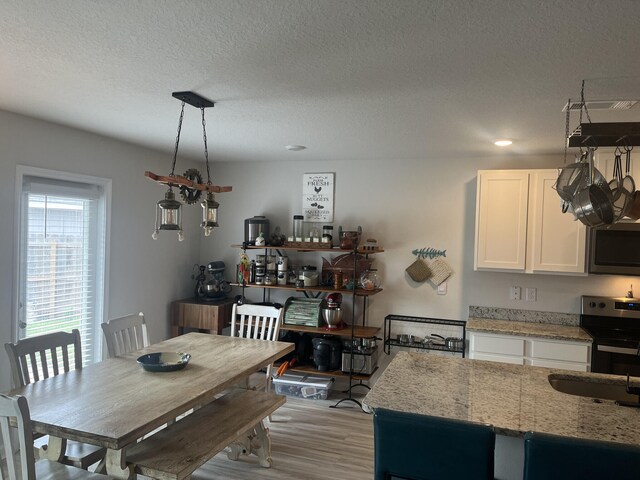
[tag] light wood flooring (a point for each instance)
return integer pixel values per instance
(309, 441)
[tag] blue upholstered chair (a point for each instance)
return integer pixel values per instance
(421, 447)
(552, 456)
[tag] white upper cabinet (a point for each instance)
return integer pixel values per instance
(520, 225)
(501, 219)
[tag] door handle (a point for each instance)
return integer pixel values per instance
(625, 351)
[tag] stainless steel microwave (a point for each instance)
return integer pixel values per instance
(615, 250)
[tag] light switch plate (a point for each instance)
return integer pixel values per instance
(442, 288)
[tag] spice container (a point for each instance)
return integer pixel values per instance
(327, 234)
(314, 234)
(282, 263)
(271, 263)
(337, 280)
(292, 275)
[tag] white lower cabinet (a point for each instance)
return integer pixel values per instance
(536, 351)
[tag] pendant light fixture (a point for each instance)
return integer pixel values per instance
(169, 210)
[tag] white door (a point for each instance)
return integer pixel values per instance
(61, 259)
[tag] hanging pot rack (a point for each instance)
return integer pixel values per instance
(610, 134)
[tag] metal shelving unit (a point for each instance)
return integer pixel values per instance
(389, 342)
(352, 330)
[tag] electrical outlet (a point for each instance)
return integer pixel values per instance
(442, 288)
(531, 294)
(515, 293)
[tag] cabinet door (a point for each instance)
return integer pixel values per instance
(558, 242)
(501, 219)
(497, 348)
(563, 351)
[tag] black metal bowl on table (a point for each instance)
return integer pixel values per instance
(164, 361)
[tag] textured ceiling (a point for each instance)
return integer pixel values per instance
(350, 79)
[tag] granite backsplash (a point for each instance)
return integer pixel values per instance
(554, 318)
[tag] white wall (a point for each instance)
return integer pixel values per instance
(404, 205)
(145, 275)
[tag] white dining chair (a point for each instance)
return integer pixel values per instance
(37, 358)
(259, 322)
(18, 460)
(125, 334)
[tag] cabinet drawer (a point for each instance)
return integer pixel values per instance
(579, 367)
(499, 345)
(560, 351)
(497, 358)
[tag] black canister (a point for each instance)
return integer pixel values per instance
(327, 353)
(255, 226)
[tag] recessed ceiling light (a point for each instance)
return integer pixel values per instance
(295, 148)
(503, 143)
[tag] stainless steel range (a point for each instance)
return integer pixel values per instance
(614, 324)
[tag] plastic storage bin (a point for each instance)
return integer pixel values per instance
(303, 386)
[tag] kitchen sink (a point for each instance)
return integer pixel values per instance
(592, 387)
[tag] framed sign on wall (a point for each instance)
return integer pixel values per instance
(317, 197)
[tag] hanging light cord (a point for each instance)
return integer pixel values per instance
(175, 152)
(206, 151)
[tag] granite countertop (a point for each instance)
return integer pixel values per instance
(513, 398)
(528, 329)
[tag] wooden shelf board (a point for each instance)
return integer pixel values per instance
(358, 331)
(303, 249)
(359, 291)
(179, 181)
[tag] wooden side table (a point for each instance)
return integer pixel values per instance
(211, 316)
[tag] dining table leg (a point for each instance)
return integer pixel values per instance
(263, 450)
(256, 441)
(116, 464)
(54, 449)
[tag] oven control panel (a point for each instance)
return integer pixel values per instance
(611, 306)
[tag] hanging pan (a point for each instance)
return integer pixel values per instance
(593, 204)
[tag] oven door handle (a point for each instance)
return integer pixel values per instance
(625, 351)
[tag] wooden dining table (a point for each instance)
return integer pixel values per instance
(115, 402)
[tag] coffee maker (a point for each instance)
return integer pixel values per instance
(210, 283)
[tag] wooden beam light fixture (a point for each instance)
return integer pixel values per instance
(168, 210)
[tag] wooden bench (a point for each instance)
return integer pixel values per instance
(234, 419)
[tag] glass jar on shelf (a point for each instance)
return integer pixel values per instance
(309, 275)
(369, 280)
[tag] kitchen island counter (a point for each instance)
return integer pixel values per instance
(513, 398)
(528, 329)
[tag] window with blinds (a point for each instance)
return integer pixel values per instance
(62, 260)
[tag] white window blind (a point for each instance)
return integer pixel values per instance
(62, 260)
